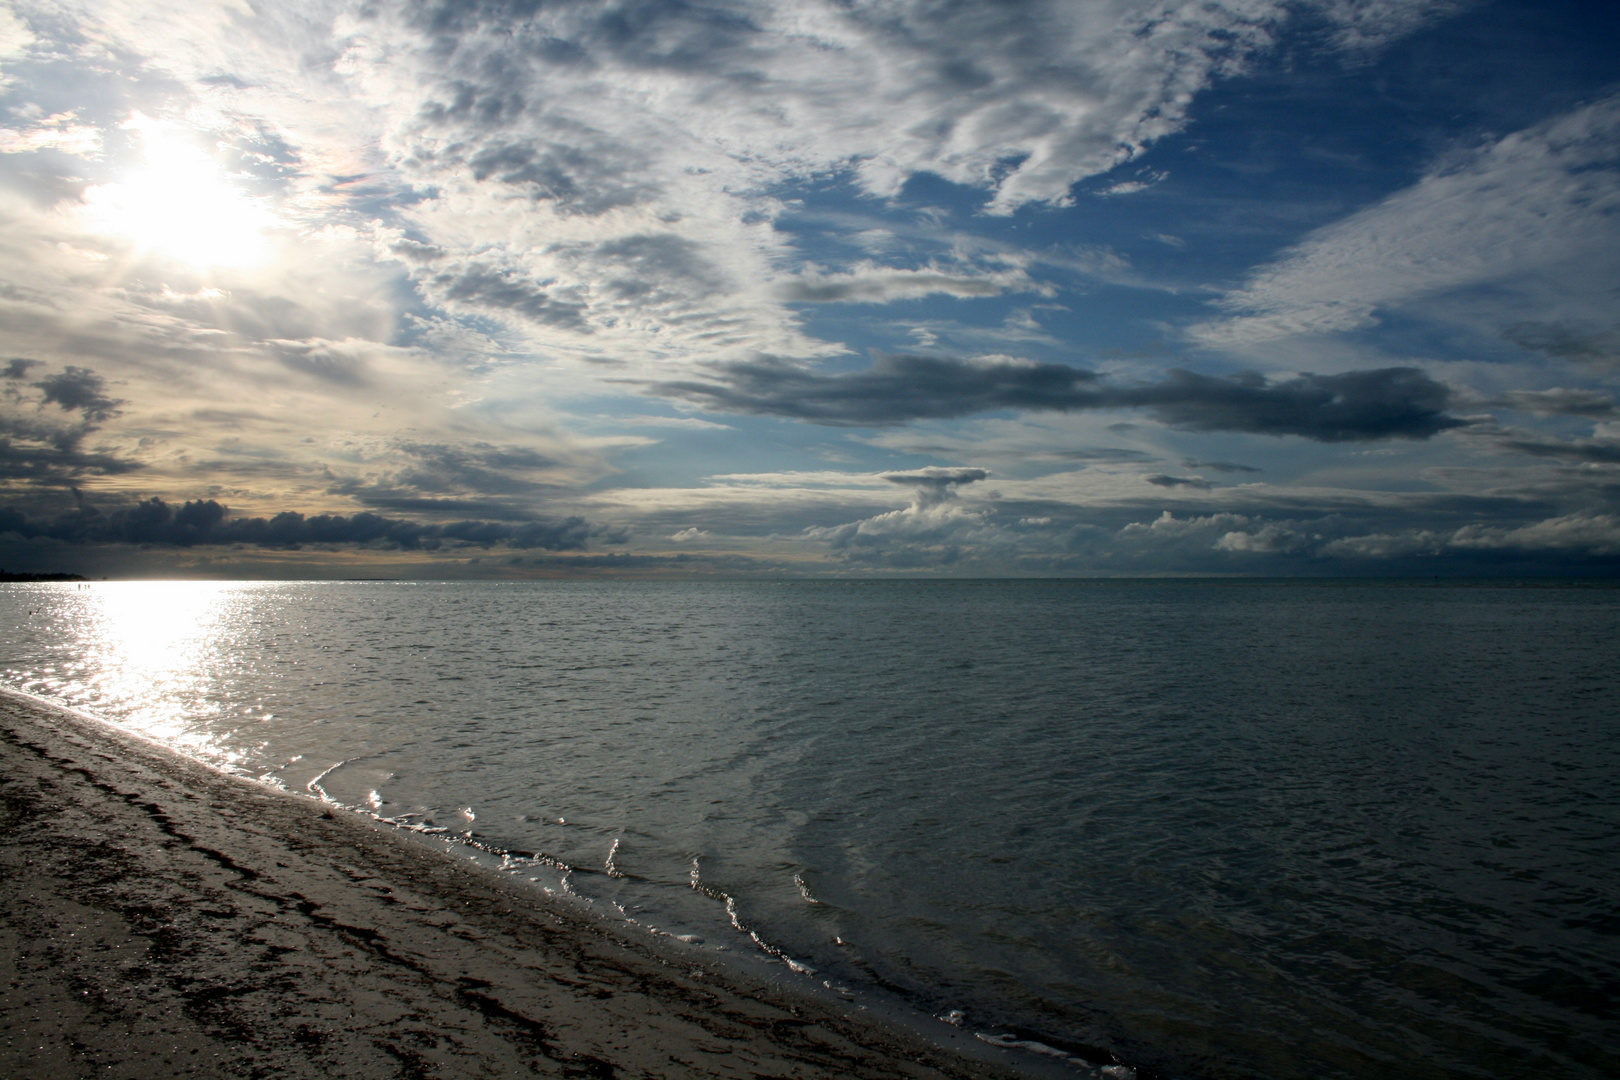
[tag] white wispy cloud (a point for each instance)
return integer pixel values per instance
(869, 283)
(1532, 212)
(57, 132)
(599, 181)
(618, 164)
(15, 39)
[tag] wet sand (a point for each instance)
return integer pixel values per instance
(158, 918)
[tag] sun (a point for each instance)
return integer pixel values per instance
(180, 203)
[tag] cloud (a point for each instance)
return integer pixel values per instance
(936, 529)
(490, 289)
(1109, 521)
(1534, 209)
(1588, 345)
(53, 458)
(1586, 535)
(935, 483)
(1096, 453)
(342, 363)
(604, 177)
(412, 251)
(1332, 542)
(1267, 539)
(578, 170)
(207, 522)
(871, 284)
(1198, 542)
(77, 389)
(41, 451)
(480, 208)
(1168, 526)
(896, 388)
(1162, 480)
(1020, 441)
(582, 103)
(1361, 26)
(443, 477)
(1219, 466)
(1558, 402)
(15, 36)
(475, 467)
(74, 139)
(691, 423)
(1595, 450)
(1357, 405)
(1589, 534)
(1144, 181)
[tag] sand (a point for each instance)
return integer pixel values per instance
(159, 918)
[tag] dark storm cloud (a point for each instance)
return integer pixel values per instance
(206, 522)
(1358, 405)
(17, 368)
(77, 389)
(494, 288)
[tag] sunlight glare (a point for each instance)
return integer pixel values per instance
(156, 642)
(181, 204)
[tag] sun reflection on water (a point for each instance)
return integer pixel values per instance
(154, 650)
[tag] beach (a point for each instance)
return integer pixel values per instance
(159, 917)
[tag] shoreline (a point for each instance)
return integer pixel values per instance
(161, 917)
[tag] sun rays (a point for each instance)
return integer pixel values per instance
(180, 204)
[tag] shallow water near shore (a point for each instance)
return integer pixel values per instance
(1217, 829)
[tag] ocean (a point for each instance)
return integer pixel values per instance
(1213, 829)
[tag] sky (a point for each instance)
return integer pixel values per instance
(470, 288)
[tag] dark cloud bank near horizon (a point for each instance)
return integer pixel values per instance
(1384, 403)
(205, 522)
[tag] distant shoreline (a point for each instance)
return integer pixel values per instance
(7, 576)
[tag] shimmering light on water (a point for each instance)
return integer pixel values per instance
(150, 655)
(1226, 830)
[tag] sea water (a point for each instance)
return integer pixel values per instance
(1215, 829)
